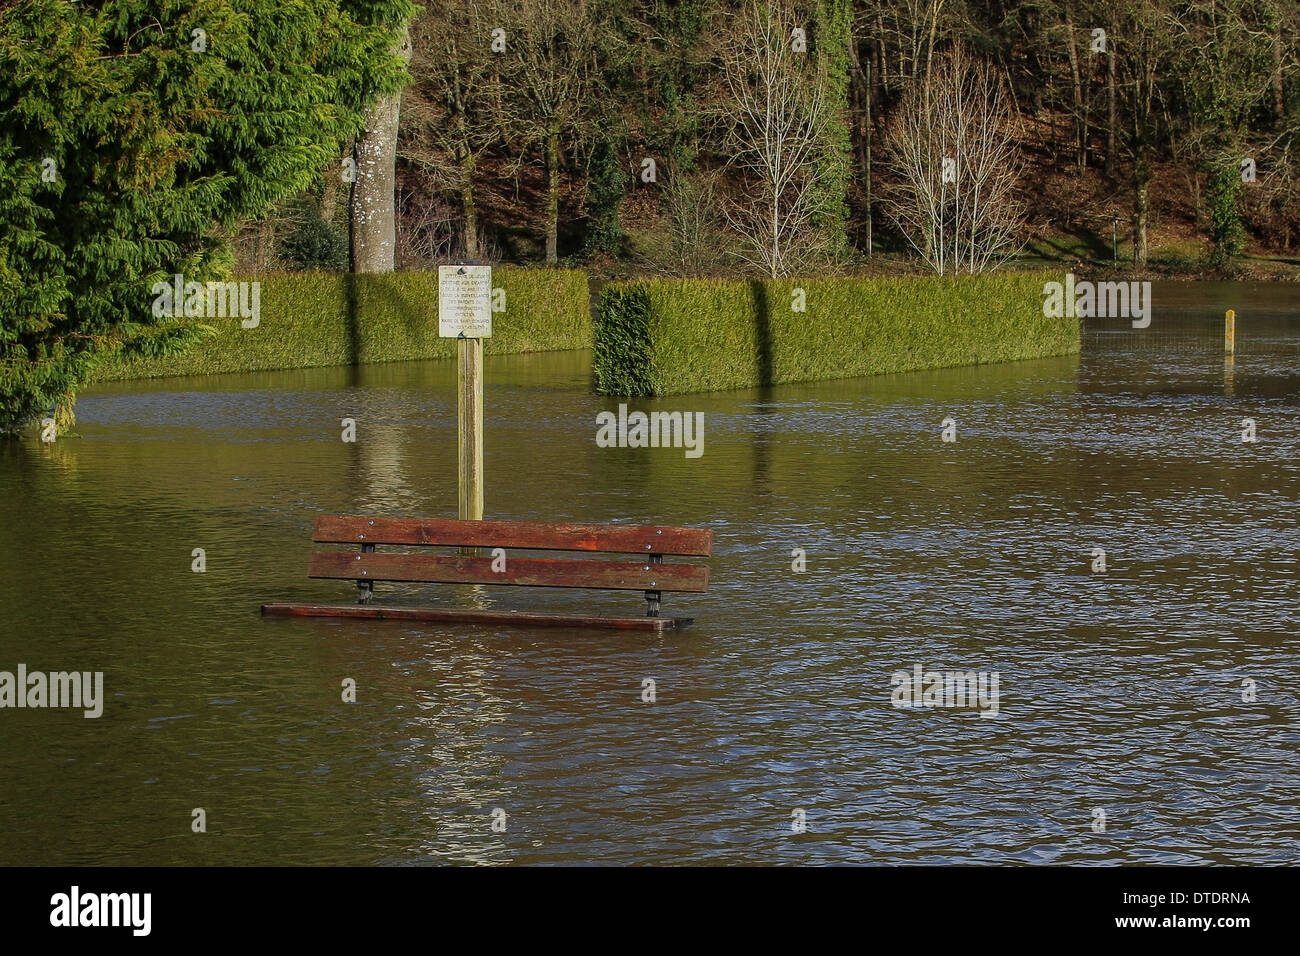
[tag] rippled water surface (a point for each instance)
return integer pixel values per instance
(1120, 692)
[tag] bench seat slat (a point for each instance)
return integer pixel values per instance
(533, 535)
(536, 572)
(472, 616)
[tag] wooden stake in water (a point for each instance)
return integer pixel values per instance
(465, 314)
(469, 427)
(1230, 331)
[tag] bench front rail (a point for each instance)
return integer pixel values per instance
(366, 566)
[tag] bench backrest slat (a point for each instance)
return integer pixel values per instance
(535, 572)
(533, 535)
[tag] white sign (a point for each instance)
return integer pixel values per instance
(465, 302)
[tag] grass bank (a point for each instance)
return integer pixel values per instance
(317, 319)
(674, 336)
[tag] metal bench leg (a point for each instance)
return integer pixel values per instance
(652, 597)
(366, 589)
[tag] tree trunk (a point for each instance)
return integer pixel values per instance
(467, 204)
(1076, 93)
(552, 150)
(774, 224)
(1279, 102)
(329, 195)
(929, 50)
(1110, 110)
(1034, 66)
(373, 212)
(878, 50)
(866, 132)
(1141, 181)
(465, 160)
(861, 100)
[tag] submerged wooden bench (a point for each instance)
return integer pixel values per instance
(365, 566)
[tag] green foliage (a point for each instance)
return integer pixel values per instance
(606, 185)
(832, 22)
(314, 242)
(623, 352)
(673, 336)
(664, 92)
(159, 150)
(1223, 202)
(314, 319)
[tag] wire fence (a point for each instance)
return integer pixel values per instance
(1200, 331)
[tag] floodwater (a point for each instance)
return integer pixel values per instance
(1147, 714)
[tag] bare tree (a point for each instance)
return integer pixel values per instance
(552, 70)
(427, 230)
(691, 203)
(449, 110)
(1079, 109)
(913, 30)
(954, 157)
(776, 119)
(1142, 51)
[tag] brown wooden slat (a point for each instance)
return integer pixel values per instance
(524, 572)
(538, 535)
(519, 618)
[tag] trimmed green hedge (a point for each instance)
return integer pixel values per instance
(314, 318)
(672, 336)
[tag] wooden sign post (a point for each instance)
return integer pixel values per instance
(465, 314)
(1230, 331)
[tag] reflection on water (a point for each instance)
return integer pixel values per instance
(1120, 691)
